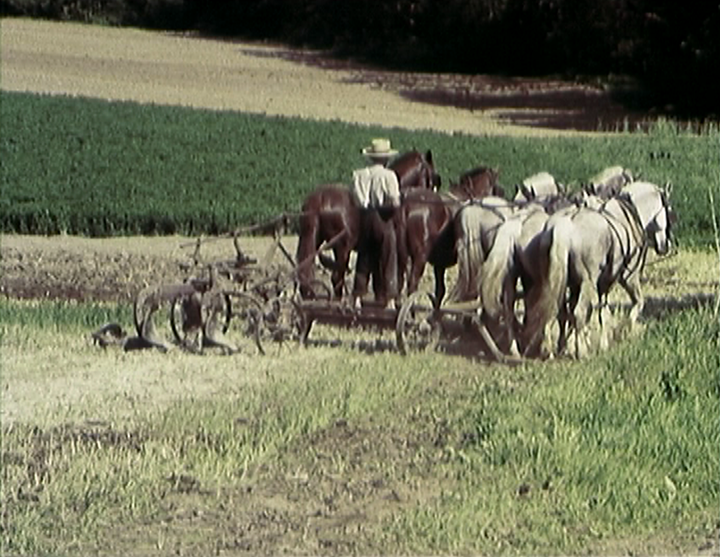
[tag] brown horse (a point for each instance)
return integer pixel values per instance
(332, 214)
(477, 183)
(428, 234)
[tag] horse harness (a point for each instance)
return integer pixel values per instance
(633, 256)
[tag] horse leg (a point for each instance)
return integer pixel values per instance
(363, 266)
(632, 287)
(305, 255)
(440, 289)
(389, 255)
(511, 322)
(342, 259)
(402, 250)
(581, 314)
(417, 268)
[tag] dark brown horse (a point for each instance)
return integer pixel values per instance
(428, 234)
(477, 183)
(331, 214)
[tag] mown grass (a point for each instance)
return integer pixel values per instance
(99, 168)
(438, 454)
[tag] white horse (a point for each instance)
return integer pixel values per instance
(537, 186)
(490, 239)
(587, 251)
(609, 182)
(475, 226)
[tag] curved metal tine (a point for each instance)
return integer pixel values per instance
(489, 340)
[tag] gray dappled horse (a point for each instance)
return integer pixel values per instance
(587, 251)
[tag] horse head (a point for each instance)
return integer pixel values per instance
(415, 170)
(478, 183)
(609, 182)
(656, 215)
(538, 185)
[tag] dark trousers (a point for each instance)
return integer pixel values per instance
(377, 255)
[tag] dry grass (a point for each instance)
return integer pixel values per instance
(171, 69)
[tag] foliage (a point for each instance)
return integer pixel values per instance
(95, 168)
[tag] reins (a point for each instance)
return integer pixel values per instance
(633, 217)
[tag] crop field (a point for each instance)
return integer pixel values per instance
(89, 167)
(344, 446)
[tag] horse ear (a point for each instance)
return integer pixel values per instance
(668, 188)
(428, 156)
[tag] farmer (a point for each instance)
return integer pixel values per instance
(377, 190)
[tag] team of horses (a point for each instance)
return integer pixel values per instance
(544, 257)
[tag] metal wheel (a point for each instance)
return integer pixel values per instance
(284, 320)
(418, 325)
(188, 316)
(143, 305)
(151, 332)
(233, 321)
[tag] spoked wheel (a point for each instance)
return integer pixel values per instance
(418, 325)
(234, 321)
(284, 321)
(143, 306)
(152, 332)
(189, 316)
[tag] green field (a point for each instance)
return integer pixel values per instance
(96, 168)
(429, 454)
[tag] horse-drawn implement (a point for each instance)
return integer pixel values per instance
(242, 304)
(235, 304)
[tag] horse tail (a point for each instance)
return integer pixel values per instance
(497, 266)
(306, 250)
(547, 295)
(470, 257)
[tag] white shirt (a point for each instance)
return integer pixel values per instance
(376, 186)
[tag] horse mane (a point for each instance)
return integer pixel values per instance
(417, 163)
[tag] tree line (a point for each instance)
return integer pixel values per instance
(672, 48)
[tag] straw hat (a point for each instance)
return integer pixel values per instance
(379, 149)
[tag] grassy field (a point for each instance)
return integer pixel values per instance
(338, 451)
(97, 168)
